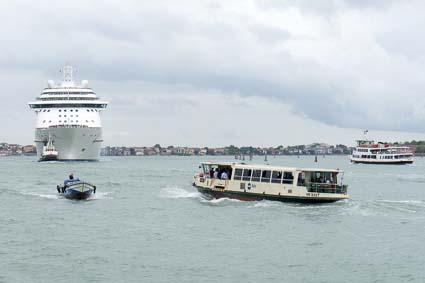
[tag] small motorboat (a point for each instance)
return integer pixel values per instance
(76, 190)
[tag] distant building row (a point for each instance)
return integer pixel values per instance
(9, 149)
(312, 149)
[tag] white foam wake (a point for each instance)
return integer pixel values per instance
(101, 195)
(48, 196)
(176, 192)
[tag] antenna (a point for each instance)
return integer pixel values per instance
(67, 73)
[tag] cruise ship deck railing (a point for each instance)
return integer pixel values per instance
(326, 188)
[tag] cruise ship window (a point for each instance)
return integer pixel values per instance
(76, 115)
(44, 121)
(76, 121)
(87, 121)
(60, 115)
(64, 115)
(71, 110)
(50, 121)
(76, 110)
(60, 110)
(72, 121)
(92, 121)
(265, 176)
(64, 110)
(88, 110)
(60, 121)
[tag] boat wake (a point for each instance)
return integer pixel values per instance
(96, 196)
(179, 193)
(217, 201)
(176, 193)
(384, 207)
(46, 196)
(101, 195)
(265, 204)
(414, 178)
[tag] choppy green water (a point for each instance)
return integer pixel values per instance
(148, 224)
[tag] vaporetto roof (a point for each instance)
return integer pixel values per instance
(269, 167)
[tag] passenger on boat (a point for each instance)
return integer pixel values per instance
(212, 173)
(70, 179)
(215, 174)
(224, 176)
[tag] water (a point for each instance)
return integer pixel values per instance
(148, 224)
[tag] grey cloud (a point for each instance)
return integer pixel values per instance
(207, 45)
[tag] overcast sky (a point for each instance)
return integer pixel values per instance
(248, 72)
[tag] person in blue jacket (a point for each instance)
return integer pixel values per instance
(70, 179)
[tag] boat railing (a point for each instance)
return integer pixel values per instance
(326, 188)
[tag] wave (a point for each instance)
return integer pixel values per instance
(265, 204)
(421, 202)
(221, 200)
(414, 178)
(387, 208)
(96, 196)
(101, 195)
(47, 196)
(176, 193)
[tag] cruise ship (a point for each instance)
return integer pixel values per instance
(68, 114)
(369, 152)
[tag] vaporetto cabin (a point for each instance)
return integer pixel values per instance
(257, 182)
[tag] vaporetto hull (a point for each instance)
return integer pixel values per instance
(247, 196)
(392, 162)
(72, 143)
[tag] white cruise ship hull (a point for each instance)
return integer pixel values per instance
(71, 143)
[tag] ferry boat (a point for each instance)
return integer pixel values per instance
(258, 182)
(369, 152)
(70, 113)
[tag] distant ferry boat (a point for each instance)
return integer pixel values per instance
(379, 153)
(259, 182)
(68, 116)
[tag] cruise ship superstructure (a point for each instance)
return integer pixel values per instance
(69, 113)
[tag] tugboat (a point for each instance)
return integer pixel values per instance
(76, 189)
(49, 151)
(258, 182)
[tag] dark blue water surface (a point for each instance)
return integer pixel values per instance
(148, 224)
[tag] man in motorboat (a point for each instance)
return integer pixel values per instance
(70, 179)
(74, 188)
